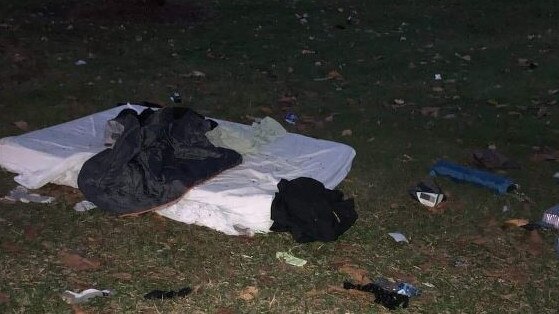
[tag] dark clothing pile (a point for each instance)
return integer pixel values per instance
(308, 210)
(156, 158)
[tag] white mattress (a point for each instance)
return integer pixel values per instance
(237, 201)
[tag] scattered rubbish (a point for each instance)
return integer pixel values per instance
(438, 77)
(491, 159)
(84, 296)
(84, 206)
(497, 183)
(347, 132)
(428, 284)
(388, 294)
(551, 217)
(160, 294)
(428, 193)
(176, 97)
(398, 237)
(505, 209)
(290, 259)
(291, 118)
(80, 62)
(21, 194)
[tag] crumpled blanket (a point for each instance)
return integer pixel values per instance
(156, 158)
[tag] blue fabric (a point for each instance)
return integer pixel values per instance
(497, 183)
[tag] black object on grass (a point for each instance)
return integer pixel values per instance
(389, 299)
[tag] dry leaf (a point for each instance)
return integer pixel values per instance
(430, 111)
(266, 110)
(22, 125)
(357, 274)
(335, 75)
(78, 262)
(4, 298)
(515, 223)
(347, 132)
(248, 293)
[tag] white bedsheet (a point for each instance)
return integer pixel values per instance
(237, 201)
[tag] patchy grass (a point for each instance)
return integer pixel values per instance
(259, 58)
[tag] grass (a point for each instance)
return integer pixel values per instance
(252, 53)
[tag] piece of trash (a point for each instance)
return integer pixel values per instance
(195, 74)
(428, 193)
(302, 18)
(492, 159)
(84, 206)
(71, 297)
(428, 284)
(517, 222)
(160, 294)
(551, 217)
(22, 125)
(398, 237)
(347, 132)
(290, 259)
(399, 101)
(497, 183)
(21, 194)
(176, 97)
(438, 77)
(388, 294)
(556, 176)
(291, 118)
(505, 209)
(80, 62)
(407, 289)
(460, 262)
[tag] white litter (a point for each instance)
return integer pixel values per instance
(84, 206)
(21, 194)
(398, 237)
(71, 297)
(80, 62)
